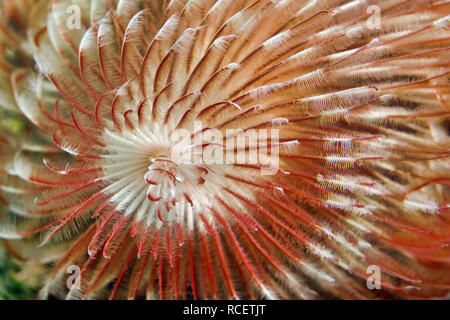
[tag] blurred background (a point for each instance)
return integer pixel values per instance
(14, 281)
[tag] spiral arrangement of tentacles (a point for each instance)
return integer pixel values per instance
(88, 178)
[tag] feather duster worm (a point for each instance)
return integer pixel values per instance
(360, 109)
